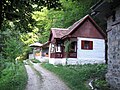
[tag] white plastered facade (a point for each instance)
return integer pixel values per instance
(97, 55)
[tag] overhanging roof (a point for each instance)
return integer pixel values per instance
(103, 9)
(37, 44)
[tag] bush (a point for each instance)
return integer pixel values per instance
(101, 84)
(12, 80)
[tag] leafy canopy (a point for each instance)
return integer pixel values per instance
(20, 11)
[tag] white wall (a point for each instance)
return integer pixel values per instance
(56, 61)
(97, 55)
(31, 56)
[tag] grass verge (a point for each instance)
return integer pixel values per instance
(76, 76)
(35, 61)
(13, 79)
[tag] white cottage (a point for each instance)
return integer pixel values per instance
(40, 51)
(86, 42)
(36, 54)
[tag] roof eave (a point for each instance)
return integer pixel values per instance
(46, 44)
(97, 5)
(104, 9)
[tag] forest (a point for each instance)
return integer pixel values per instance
(23, 22)
(30, 21)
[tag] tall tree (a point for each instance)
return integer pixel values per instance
(75, 9)
(20, 10)
(71, 11)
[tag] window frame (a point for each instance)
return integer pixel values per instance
(90, 45)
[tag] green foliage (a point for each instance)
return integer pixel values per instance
(35, 61)
(15, 44)
(24, 22)
(33, 17)
(67, 46)
(20, 11)
(76, 76)
(101, 84)
(43, 24)
(10, 80)
(13, 48)
(72, 10)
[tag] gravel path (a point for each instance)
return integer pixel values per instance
(34, 82)
(47, 81)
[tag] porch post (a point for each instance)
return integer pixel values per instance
(49, 50)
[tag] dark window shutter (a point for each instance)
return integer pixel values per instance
(57, 47)
(91, 45)
(82, 44)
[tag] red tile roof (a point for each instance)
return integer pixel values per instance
(59, 32)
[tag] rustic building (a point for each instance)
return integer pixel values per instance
(40, 51)
(110, 11)
(87, 43)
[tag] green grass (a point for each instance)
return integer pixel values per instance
(12, 79)
(35, 61)
(77, 76)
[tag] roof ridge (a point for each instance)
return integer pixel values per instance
(59, 28)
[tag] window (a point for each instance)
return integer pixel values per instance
(73, 46)
(87, 45)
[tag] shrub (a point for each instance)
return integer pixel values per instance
(101, 84)
(12, 80)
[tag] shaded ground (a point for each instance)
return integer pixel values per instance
(45, 81)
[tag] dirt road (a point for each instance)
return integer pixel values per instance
(45, 81)
(34, 81)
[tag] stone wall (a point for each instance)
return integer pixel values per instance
(113, 75)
